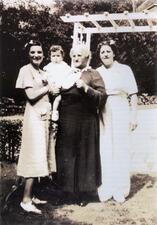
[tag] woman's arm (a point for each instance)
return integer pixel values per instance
(34, 95)
(133, 104)
(94, 87)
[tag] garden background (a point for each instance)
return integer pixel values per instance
(28, 19)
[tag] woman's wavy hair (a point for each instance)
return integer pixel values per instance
(110, 42)
(31, 43)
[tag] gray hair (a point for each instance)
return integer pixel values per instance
(84, 50)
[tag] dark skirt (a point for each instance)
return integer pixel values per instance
(77, 149)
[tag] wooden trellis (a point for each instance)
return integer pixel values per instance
(87, 24)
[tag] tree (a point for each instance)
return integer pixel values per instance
(136, 49)
(18, 26)
(19, 23)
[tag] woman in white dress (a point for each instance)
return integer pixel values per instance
(34, 159)
(119, 119)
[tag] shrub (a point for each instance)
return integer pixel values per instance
(145, 99)
(9, 107)
(11, 131)
(10, 139)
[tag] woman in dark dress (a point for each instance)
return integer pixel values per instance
(77, 146)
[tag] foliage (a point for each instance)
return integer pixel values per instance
(144, 99)
(9, 107)
(21, 23)
(10, 139)
(18, 25)
(75, 7)
(11, 130)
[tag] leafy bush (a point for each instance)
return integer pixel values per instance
(11, 130)
(10, 139)
(9, 107)
(145, 99)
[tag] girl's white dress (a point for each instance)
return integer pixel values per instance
(114, 133)
(37, 157)
(57, 73)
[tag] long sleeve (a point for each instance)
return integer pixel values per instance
(96, 88)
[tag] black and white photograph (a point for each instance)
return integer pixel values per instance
(78, 109)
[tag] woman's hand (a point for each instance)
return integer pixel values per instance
(133, 125)
(45, 82)
(75, 70)
(133, 103)
(81, 84)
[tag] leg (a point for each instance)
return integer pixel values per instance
(56, 102)
(82, 199)
(27, 196)
(26, 203)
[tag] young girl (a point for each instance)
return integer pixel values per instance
(57, 74)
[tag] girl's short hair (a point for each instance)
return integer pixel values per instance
(109, 42)
(55, 48)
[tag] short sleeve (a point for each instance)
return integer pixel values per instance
(131, 82)
(24, 79)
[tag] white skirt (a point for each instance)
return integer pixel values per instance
(114, 148)
(36, 159)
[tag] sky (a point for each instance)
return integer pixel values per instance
(45, 2)
(14, 2)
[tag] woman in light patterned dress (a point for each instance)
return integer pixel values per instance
(34, 159)
(119, 119)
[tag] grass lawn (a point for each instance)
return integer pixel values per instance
(139, 209)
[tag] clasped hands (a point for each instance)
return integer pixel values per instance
(81, 84)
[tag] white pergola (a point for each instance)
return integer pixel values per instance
(87, 24)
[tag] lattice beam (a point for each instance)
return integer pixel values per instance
(82, 32)
(80, 26)
(114, 24)
(96, 24)
(122, 29)
(106, 16)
